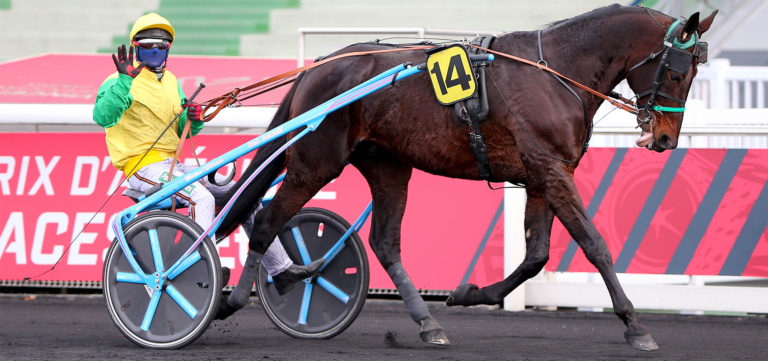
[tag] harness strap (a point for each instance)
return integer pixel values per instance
(649, 58)
(477, 143)
(585, 145)
(614, 102)
(663, 95)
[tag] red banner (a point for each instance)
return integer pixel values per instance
(687, 211)
(60, 79)
(53, 184)
(692, 211)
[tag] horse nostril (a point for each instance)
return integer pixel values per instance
(667, 142)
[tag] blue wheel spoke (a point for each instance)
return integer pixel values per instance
(156, 253)
(305, 303)
(301, 245)
(332, 289)
(128, 277)
(186, 263)
(151, 309)
(181, 301)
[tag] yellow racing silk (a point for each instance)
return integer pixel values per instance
(134, 112)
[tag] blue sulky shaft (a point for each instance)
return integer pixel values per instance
(310, 120)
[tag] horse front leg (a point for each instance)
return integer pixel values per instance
(538, 227)
(388, 180)
(567, 205)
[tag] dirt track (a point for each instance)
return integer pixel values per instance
(78, 327)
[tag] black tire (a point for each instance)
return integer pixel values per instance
(200, 284)
(327, 315)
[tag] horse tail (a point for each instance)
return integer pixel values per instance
(246, 203)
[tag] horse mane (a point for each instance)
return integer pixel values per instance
(600, 13)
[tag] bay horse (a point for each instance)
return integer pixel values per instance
(536, 134)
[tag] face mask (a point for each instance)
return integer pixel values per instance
(153, 58)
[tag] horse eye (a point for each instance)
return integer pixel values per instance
(676, 78)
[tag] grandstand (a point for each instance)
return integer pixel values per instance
(253, 27)
(268, 28)
(32, 27)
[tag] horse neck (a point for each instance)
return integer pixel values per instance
(596, 54)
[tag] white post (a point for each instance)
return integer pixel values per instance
(300, 59)
(514, 242)
(719, 96)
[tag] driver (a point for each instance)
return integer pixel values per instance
(136, 103)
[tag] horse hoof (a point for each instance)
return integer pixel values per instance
(432, 333)
(642, 342)
(459, 296)
(225, 310)
(435, 338)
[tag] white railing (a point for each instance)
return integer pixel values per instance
(720, 85)
(421, 33)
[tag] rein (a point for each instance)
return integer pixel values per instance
(621, 103)
(230, 98)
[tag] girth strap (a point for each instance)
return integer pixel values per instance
(477, 143)
(475, 109)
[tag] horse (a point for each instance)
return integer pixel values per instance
(536, 133)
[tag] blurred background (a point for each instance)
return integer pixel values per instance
(268, 28)
(55, 53)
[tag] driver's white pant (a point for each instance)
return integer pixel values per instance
(198, 197)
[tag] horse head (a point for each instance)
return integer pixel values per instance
(662, 80)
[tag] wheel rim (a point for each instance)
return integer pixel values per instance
(185, 303)
(327, 304)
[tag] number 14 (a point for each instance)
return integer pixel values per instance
(462, 77)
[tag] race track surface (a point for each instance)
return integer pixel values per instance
(79, 328)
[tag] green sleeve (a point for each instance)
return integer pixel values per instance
(196, 125)
(113, 98)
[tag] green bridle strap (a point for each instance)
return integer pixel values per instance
(676, 43)
(668, 109)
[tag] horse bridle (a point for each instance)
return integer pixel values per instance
(673, 58)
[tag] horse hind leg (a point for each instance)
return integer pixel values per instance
(538, 227)
(388, 180)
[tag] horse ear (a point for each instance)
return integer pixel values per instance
(704, 24)
(691, 26)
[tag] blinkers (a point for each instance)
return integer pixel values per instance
(679, 60)
(674, 58)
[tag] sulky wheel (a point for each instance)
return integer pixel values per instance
(187, 299)
(327, 304)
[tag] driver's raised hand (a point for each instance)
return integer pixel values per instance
(124, 62)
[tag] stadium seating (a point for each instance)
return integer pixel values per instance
(264, 28)
(207, 27)
(476, 15)
(29, 27)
